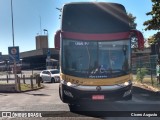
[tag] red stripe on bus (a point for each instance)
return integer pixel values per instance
(84, 36)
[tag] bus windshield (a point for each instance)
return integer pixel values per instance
(96, 59)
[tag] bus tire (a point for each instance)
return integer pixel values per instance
(60, 94)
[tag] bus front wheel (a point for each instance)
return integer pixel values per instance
(60, 93)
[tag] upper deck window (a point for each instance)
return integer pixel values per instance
(94, 18)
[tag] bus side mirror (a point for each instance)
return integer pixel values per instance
(57, 40)
(139, 39)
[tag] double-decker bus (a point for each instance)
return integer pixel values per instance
(95, 52)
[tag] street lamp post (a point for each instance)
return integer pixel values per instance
(12, 23)
(15, 66)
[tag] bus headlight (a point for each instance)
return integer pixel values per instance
(126, 83)
(71, 85)
(68, 83)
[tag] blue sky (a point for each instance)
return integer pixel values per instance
(27, 14)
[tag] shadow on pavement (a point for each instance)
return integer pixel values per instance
(120, 108)
(146, 94)
(37, 94)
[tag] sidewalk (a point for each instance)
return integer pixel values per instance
(7, 83)
(147, 83)
(4, 75)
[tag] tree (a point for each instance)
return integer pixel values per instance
(151, 40)
(132, 19)
(154, 22)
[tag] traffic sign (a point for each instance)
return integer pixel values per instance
(13, 53)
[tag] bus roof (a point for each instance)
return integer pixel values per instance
(96, 3)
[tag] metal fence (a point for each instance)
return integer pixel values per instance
(145, 65)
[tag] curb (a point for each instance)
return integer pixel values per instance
(146, 88)
(10, 88)
(7, 88)
(42, 86)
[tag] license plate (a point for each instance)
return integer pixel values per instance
(97, 97)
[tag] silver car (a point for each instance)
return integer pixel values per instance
(51, 75)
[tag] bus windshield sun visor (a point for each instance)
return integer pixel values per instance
(84, 36)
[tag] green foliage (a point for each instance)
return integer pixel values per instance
(26, 87)
(132, 19)
(154, 39)
(151, 40)
(141, 72)
(154, 22)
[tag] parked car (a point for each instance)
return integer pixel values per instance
(51, 75)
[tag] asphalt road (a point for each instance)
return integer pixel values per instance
(47, 100)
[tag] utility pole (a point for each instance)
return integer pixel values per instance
(14, 61)
(12, 23)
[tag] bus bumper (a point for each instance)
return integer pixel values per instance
(74, 95)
